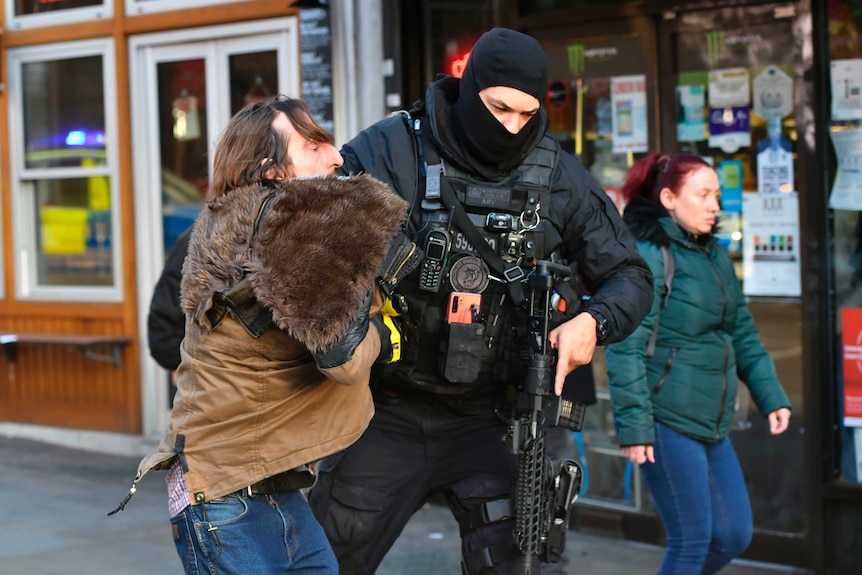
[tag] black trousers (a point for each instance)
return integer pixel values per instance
(414, 448)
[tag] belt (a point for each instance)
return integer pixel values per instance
(290, 480)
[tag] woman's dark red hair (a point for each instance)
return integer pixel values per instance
(654, 172)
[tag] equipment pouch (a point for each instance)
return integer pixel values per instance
(464, 352)
(402, 258)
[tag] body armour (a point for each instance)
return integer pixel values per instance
(463, 333)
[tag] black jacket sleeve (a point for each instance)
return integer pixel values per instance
(166, 322)
(387, 151)
(609, 262)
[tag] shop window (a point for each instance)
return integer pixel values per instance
(134, 7)
(64, 182)
(845, 201)
(36, 13)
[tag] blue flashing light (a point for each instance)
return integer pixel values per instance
(83, 137)
(76, 138)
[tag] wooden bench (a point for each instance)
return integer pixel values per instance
(83, 343)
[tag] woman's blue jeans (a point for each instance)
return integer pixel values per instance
(702, 498)
(239, 535)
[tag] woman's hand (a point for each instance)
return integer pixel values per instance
(639, 453)
(779, 420)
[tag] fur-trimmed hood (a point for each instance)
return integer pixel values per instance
(642, 218)
(651, 222)
(314, 256)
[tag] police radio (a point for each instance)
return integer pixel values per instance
(436, 247)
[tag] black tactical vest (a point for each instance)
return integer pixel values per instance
(472, 357)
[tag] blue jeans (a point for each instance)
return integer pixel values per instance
(703, 501)
(238, 535)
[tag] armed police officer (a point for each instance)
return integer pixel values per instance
(490, 194)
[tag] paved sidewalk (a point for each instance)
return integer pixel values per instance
(54, 500)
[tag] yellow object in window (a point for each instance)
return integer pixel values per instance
(64, 230)
(98, 190)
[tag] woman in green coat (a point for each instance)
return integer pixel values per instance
(673, 405)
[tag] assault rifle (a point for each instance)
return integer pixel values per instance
(545, 490)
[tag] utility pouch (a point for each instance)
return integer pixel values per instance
(464, 352)
(402, 258)
(241, 301)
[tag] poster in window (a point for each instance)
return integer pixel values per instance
(851, 352)
(729, 100)
(770, 250)
(628, 114)
(846, 89)
(691, 113)
(846, 191)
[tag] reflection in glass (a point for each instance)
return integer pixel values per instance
(580, 104)
(24, 7)
(64, 112)
(845, 42)
(183, 142)
(253, 78)
(580, 112)
(73, 219)
(710, 45)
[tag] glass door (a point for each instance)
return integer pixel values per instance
(728, 82)
(601, 104)
(186, 86)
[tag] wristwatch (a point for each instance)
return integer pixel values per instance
(602, 326)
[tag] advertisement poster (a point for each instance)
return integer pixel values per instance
(729, 109)
(846, 89)
(774, 168)
(846, 191)
(851, 352)
(691, 113)
(770, 255)
(729, 229)
(628, 109)
(730, 179)
(729, 128)
(729, 87)
(772, 93)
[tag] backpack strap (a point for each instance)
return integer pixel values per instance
(667, 258)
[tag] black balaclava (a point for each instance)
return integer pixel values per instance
(501, 57)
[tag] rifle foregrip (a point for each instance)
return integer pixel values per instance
(529, 495)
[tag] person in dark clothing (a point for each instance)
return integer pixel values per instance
(441, 411)
(166, 323)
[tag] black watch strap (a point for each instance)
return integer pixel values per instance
(602, 326)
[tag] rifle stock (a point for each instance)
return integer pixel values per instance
(545, 490)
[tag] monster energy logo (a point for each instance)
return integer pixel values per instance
(714, 46)
(577, 60)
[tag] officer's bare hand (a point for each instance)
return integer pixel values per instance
(575, 342)
(779, 420)
(639, 453)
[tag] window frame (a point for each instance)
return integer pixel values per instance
(22, 178)
(56, 18)
(138, 7)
